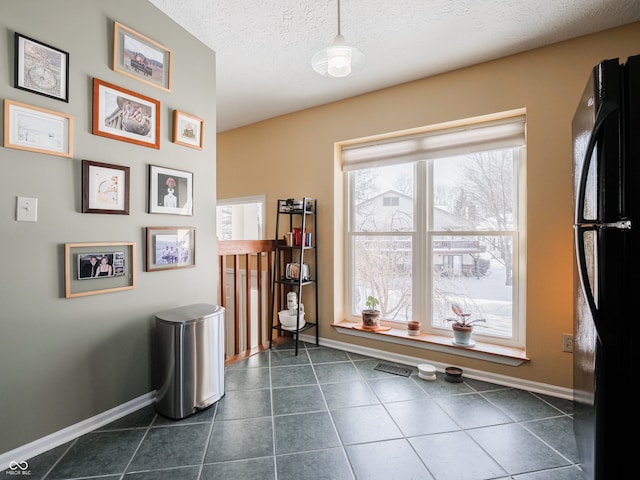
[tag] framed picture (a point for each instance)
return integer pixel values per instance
(140, 57)
(169, 248)
(105, 188)
(37, 130)
(93, 268)
(187, 130)
(125, 115)
(41, 68)
(170, 191)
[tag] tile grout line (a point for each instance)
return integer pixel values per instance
(333, 423)
(273, 421)
(146, 432)
(60, 458)
(208, 442)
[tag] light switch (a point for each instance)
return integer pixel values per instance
(27, 209)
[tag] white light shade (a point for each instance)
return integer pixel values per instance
(338, 60)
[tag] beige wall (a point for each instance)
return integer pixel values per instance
(66, 360)
(293, 156)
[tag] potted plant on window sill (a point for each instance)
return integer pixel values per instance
(462, 326)
(371, 316)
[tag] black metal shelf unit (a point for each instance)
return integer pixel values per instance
(294, 215)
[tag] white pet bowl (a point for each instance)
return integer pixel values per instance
(288, 321)
(426, 371)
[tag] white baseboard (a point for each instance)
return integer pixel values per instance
(72, 432)
(536, 387)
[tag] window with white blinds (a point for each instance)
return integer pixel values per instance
(435, 216)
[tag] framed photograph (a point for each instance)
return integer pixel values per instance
(187, 130)
(105, 188)
(93, 268)
(169, 248)
(41, 68)
(125, 115)
(37, 130)
(170, 191)
(141, 58)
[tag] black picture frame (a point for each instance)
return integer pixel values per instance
(41, 68)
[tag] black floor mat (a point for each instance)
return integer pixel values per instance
(385, 367)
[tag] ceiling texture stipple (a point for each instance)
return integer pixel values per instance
(264, 47)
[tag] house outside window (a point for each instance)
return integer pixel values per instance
(454, 235)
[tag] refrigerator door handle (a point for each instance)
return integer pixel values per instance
(581, 224)
(605, 110)
(581, 260)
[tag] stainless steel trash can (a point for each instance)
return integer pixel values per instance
(190, 359)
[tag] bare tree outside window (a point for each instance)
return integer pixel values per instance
(470, 238)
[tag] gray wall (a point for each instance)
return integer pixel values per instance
(66, 360)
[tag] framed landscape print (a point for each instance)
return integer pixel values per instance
(170, 191)
(124, 115)
(169, 248)
(140, 57)
(41, 68)
(187, 130)
(93, 268)
(105, 188)
(38, 130)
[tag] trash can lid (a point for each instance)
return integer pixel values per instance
(189, 313)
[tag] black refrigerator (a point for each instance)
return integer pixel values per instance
(606, 178)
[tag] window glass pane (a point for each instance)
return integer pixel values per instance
(474, 191)
(382, 268)
(476, 273)
(224, 222)
(240, 220)
(383, 199)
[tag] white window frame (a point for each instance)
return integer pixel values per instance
(422, 211)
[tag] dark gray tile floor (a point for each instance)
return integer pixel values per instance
(327, 414)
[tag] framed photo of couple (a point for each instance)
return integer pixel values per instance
(93, 268)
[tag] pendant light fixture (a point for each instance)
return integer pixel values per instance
(338, 59)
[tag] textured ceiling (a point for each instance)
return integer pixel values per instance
(264, 47)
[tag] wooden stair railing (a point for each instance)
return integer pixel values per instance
(256, 255)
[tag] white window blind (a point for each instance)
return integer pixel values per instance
(446, 142)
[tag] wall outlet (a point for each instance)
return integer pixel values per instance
(567, 342)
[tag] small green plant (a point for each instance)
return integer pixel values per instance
(462, 319)
(372, 302)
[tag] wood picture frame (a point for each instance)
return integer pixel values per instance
(187, 130)
(36, 129)
(137, 56)
(41, 68)
(125, 115)
(121, 257)
(170, 191)
(170, 248)
(105, 188)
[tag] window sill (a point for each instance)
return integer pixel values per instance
(482, 351)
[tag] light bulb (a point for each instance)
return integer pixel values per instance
(339, 61)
